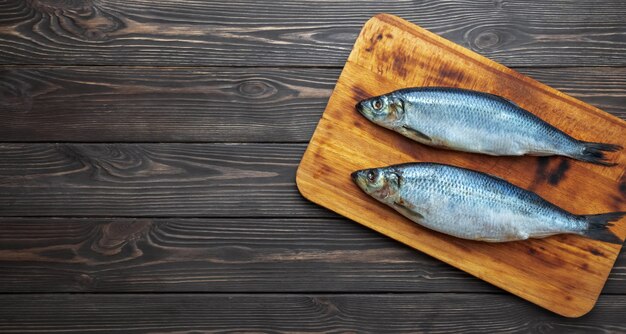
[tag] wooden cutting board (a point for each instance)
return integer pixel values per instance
(564, 273)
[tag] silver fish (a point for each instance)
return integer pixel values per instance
(474, 205)
(472, 121)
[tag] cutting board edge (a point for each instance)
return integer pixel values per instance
(303, 186)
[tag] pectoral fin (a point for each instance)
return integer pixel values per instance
(414, 134)
(407, 210)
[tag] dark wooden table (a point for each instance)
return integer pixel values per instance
(148, 160)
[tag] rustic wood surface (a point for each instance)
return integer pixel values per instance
(271, 313)
(85, 208)
(112, 104)
(222, 255)
(311, 33)
(162, 180)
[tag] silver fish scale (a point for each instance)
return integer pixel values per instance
(474, 205)
(474, 121)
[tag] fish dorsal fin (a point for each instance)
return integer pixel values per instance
(498, 97)
(414, 134)
(407, 210)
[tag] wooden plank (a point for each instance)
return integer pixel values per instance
(390, 54)
(177, 313)
(222, 255)
(154, 180)
(111, 104)
(243, 32)
(162, 104)
(215, 255)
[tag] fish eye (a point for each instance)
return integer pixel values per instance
(371, 176)
(377, 104)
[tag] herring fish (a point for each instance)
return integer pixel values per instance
(478, 122)
(473, 205)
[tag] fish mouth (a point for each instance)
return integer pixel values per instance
(359, 180)
(359, 108)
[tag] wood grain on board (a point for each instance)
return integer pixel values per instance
(152, 180)
(210, 104)
(312, 33)
(288, 313)
(225, 255)
(564, 274)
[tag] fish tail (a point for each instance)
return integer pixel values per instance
(598, 227)
(595, 153)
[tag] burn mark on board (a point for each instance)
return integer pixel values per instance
(548, 260)
(322, 170)
(539, 253)
(616, 202)
(553, 176)
(596, 252)
(585, 267)
(398, 64)
(540, 172)
(558, 174)
(618, 199)
(359, 94)
(373, 41)
(461, 244)
(450, 74)
(325, 170)
(317, 153)
(395, 60)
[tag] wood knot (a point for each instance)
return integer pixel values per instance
(95, 35)
(52, 6)
(256, 89)
(326, 306)
(232, 254)
(85, 280)
(487, 39)
(79, 19)
(116, 235)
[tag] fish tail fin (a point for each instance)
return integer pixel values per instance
(598, 227)
(595, 153)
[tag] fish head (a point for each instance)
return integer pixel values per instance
(385, 110)
(380, 183)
